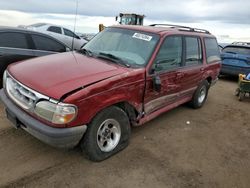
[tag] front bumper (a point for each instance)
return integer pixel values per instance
(57, 137)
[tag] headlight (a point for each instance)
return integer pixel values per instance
(4, 78)
(56, 113)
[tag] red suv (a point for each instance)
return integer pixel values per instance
(125, 76)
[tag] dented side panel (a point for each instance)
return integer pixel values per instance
(128, 87)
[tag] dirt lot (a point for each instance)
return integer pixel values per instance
(212, 151)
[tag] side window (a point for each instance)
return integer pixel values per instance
(170, 54)
(69, 33)
(193, 51)
(212, 50)
(47, 44)
(55, 29)
(13, 40)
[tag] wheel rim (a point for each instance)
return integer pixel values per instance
(108, 135)
(202, 94)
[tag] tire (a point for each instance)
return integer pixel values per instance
(200, 95)
(241, 96)
(111, 124)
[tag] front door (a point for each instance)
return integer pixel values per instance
(165, 68)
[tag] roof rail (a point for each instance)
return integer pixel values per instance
(183, 28)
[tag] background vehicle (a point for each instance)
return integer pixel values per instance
(130, 19)
(86, 36)
(126, 75)
(127, 19)
(19, 44)
(236, 59)
(60, 33)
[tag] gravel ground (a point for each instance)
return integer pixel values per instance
(212, 151)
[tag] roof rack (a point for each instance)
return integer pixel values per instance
(182, 28)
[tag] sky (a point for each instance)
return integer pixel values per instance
(229, 20)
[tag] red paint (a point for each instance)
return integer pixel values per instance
(106, 84)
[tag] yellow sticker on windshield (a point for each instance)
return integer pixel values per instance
(142, 36)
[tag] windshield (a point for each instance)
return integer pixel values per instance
(134, 47)
(237, 50)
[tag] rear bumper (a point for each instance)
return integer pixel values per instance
(57, 137)
(234, 70)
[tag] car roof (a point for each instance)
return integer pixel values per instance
(163, 29)
(239, 44)
(18, 29)
(23, 30)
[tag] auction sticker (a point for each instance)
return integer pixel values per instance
(142, 36)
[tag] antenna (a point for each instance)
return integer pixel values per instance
(75, 24)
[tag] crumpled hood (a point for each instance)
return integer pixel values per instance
(56, 75)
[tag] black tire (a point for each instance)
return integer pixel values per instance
(90, 142)
(196, 102)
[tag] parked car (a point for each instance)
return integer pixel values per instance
(86, 36)
(236, 59)
(19, 44)
(62, 34)
(126, 75)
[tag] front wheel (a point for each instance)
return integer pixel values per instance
(200, 95)
(107, 134)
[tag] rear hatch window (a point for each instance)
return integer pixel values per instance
(236, 55)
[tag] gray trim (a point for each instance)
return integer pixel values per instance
(166, 99)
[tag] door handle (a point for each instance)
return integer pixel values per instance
(202, 69)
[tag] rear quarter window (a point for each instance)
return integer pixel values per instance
(13, 40)
(237, 50)
(212, 50)
(47, 44)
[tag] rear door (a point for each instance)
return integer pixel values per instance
(166, 65)
(191, 74)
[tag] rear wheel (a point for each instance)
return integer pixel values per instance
(107, 134)
(200, 95)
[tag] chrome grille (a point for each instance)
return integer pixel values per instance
(22, 95)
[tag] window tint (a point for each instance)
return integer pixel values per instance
(69, 33)
(237, 50)
(13, 40)
(47, 44)
(212, 50)
(193, 51)
(170, 54)
(55, 29)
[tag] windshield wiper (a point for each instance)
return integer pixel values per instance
(86, 52)
(112, 58)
